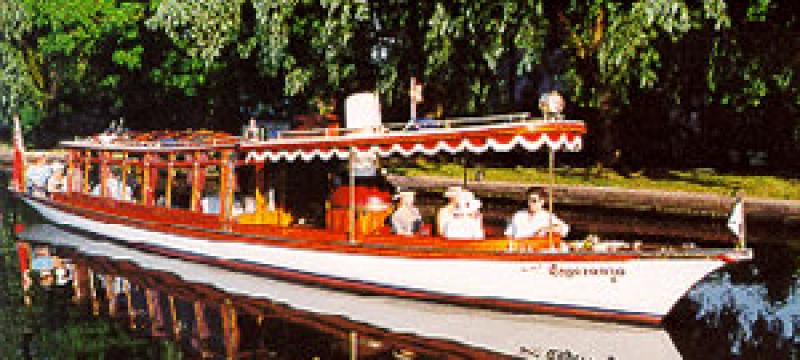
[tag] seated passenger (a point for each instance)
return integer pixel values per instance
(115, 189)
(36, 176)
(535, 220)
(210, 203)
(445, 214)
(466, 222)
(56, 182)
(77, 179)
(406, 219)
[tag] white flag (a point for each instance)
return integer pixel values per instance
(736, 220)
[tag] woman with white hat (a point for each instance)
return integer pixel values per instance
(466, 222)
(406, 220)
(445, 214)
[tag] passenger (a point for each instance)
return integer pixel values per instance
(77, 179)
(210, 201)
(535, 220)
(406, 219)
(466, 222)
(445, 214)
(57, 182)
(37, 175)
(115, 189)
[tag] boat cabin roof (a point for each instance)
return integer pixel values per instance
(476, 135)
(502, 136)
(162, 141)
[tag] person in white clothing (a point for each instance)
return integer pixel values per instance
(466, 222)
(445, 214)
(535, 220)
(56, 182)
(406, 220)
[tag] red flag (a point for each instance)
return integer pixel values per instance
(18, 171)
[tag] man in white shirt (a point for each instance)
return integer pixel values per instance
(535, 220)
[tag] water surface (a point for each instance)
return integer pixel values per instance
(121, 303)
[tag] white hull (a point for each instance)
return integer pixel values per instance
(643, 289)
(524, 336)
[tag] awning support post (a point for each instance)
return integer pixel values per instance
(551, 169)
(351, 237)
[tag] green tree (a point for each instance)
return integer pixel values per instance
(18, 86)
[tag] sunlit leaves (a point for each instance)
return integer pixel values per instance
(531, 36)
(15, 20)
(628, 48)
(758, 9)
(18, 88)
(204, 27)
(471, 44)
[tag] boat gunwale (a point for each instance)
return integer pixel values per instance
(342, 246)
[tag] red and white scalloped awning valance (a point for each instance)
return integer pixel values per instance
(562, 136)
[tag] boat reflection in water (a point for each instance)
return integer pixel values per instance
(215, 312)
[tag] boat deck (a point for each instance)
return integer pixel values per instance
(190, 223)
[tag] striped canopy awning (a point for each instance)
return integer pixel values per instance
(531, 136)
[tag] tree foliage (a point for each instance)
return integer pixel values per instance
(201, 62)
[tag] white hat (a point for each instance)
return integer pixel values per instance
(453, 191)
(474, 205)
(404, 194)
(467, 200)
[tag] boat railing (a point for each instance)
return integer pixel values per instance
(418, 125)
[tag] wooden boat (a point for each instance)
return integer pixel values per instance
(426, 329)
(620, 282)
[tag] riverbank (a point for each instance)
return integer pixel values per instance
(678, 202)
